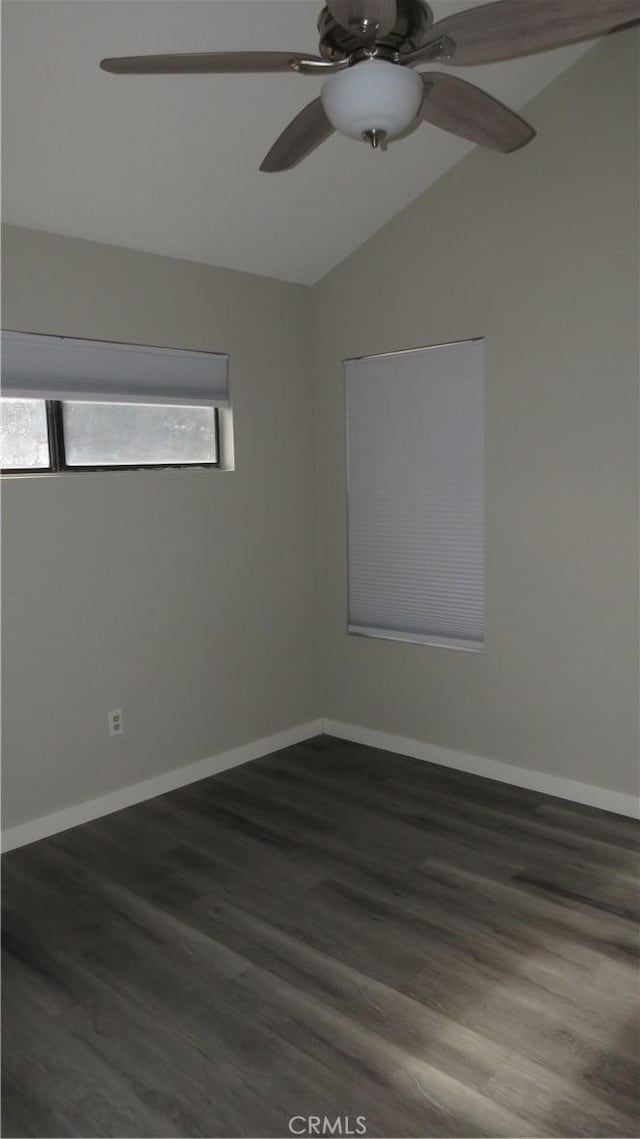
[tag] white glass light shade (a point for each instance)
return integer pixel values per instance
(372, 95)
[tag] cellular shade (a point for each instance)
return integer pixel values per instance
(416, 495)
(58, 367)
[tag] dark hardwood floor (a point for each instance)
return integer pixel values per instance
(328, 931)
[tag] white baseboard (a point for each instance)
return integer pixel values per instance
(179, 777)
(586, 793)
(79, 813)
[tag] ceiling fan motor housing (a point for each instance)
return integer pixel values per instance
(372, 96)
(413, 20)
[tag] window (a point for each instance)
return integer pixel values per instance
(24, 438)
(46, 435)
(131, 434)
(416, 495)
(102, 406)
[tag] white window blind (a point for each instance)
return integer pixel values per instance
(61, 368)
(415, 423)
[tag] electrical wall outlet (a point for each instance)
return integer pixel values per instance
(116, 727)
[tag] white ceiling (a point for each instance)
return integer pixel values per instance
(169, 164)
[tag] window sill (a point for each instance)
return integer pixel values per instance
(11, 475)
(417, 639)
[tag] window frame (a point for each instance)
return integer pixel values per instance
(57, 454)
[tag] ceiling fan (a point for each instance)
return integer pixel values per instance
(368, 49)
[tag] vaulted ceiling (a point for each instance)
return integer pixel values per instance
(169, 164)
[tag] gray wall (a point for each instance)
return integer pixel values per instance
(184, 597)
(538, 252)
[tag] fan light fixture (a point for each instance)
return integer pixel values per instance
(373, 100)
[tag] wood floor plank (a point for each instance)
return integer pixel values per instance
(328, 930)
(60, 1085)
(495, 808)
(423, 1033)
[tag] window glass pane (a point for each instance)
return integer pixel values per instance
(133, 434)
(24, 440)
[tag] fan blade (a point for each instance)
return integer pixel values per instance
(207, 63)
(465, 110)
(510, 28)
(365, 14)
(304, 134)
